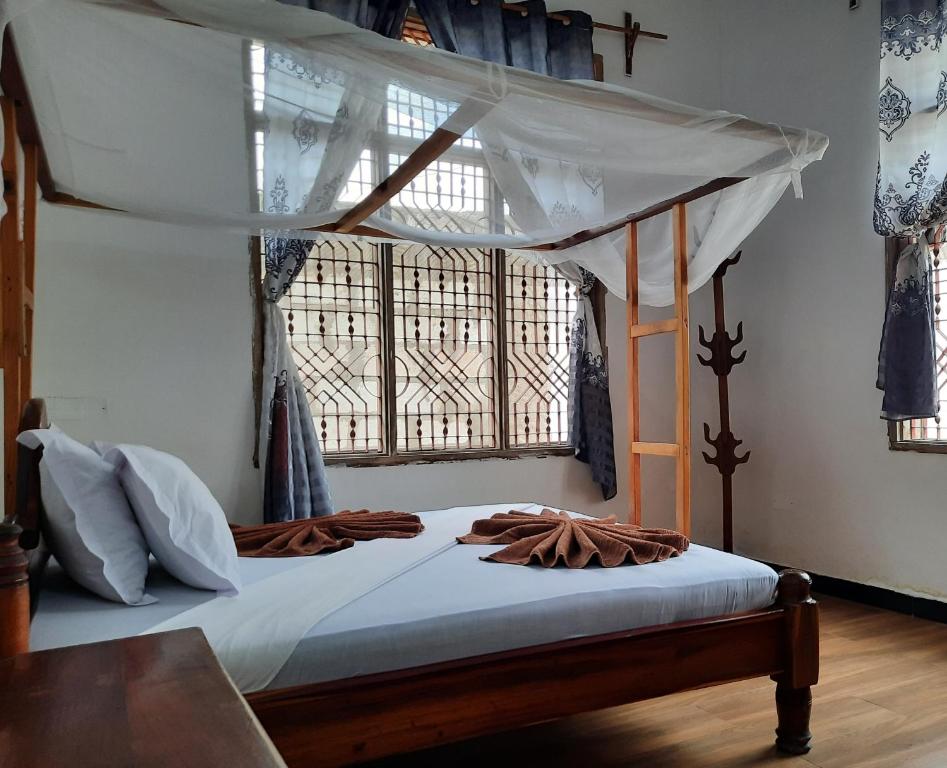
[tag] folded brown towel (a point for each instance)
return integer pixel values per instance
(551, 538)
(298, 538)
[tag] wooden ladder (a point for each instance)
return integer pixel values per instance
(678, 325)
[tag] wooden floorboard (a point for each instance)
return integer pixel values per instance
(881, 703)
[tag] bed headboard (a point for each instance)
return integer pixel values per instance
(22, 554)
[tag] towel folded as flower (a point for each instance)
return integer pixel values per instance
(316, 535)
(552, 538)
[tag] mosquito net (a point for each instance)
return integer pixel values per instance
(252, 115)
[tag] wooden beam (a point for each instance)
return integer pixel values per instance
(31, 155)
(652, 329)
(634, 395)
(58, 198)
(11, 305)
(664, 206)
(682, 377)
(14, 86)
(464, 118)
(655, 449)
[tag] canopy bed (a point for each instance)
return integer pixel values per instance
(651, 203)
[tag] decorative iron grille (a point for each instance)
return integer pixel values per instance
(408, 350)
(444, 349)
(334, 321)
(539, 310)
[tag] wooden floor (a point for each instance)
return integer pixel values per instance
(881, 703)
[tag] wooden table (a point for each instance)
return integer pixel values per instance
(158, 700)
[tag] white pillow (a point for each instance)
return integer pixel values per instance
(183, 524)
(91, 528)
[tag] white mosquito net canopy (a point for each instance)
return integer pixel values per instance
(251, 115)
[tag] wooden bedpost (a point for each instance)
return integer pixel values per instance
(14, 592)
(17, 272)
(634, 403)
(682, 350)
(794, 683)
(680, 326)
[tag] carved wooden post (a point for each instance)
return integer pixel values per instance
(722, 360)
(794, 683)
(14, 592)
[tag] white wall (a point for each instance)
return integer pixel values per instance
(154, 323)
(822, 490)
(156, 320)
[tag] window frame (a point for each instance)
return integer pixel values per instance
(392, 457)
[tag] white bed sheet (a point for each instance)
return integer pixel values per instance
(451, 606)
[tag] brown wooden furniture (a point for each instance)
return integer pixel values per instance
(149, 701)
(362, 718)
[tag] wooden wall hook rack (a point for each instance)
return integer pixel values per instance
(633, 31)
(721, 360)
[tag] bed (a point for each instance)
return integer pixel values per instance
(448, 607)
(456, 647)
(478, 647)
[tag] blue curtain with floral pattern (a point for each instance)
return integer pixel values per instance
(911, 196)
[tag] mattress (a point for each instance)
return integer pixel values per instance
(448, 607)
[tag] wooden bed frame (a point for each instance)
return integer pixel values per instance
(363, 718)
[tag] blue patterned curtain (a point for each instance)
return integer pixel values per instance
(294, 480)
(528, 40)
(911, 196)
(590, 406)
(386, 17)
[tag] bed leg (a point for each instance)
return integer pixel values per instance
(801, 670)
(14, 593)
(793, 707)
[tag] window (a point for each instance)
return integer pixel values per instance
(929, 434)
(409, 352)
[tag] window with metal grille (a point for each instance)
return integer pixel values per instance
(410, 352)
(929, 434)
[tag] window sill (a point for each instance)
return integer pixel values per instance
(918, 446)
(441, 456)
